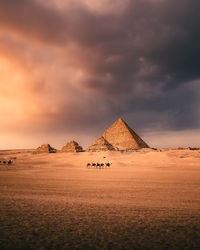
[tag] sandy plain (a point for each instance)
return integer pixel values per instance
(145, 200)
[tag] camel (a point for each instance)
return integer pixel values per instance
(102, 165)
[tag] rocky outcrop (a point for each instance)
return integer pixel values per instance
(101, 144)
(45, 148)
(72, 146)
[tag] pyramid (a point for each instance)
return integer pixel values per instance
(72, 146)
(119, 136)
(45, 148)
(122, 137)
(101, 144)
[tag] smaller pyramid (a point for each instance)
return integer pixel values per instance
(45, 148)
(101, 144)
(72, 147)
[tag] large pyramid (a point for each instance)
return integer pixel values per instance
(72, 146)
(121, 137)
(101, 144)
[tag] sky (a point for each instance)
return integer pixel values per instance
(69, 69)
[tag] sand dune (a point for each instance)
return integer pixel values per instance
(145, 200)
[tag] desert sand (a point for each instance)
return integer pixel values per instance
(145, 200)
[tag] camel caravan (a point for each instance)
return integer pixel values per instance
(6, 162)
(99, 165)
(118, 137)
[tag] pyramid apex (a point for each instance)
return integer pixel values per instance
(120, 120)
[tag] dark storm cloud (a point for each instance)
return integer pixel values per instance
(142, 59)
(29, 18)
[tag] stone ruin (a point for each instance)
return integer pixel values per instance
(45, 148)
(72, 147)
(101, 144)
